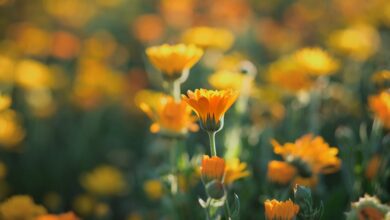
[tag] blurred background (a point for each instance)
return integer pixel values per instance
(73, 138)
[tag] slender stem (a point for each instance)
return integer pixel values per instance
(173, 160)
(174, 90)
(213, 149)
(227, 210)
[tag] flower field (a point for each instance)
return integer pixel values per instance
(190, 109)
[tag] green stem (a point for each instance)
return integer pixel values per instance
(174, 90)
(173, 160)
(227, 210)
(213, 149)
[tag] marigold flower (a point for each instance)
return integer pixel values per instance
(381, 79)
(373, 166)
(359, 41)
(368, 207)
(65, 216)
(21, 207)
(280, 172)
(306, 181)
(313, 151)
(153, 189)
(227, 80)
(31, 74)
(208, 37)
(104, 180)
(235, 170)
(380, 105)
(210, 106)
(276, 210)
(168, 115)
(174, 61)
(212, 168)
(11, 131)
(316, 61)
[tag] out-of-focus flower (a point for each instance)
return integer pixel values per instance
(210, 106)
(212, 168)
(41, 102)
(359, 41)
(316, 61)
(3, 170)
(20, 207)
(209, 38)
(306, 181)
(104, 181)
(368, 207)
(5, 101)
(235, 170)
(7, 66)
(227, 80)
(153, 189)
(100, 45)
(168, 116)
(230, 62)
(276, 210)
(380, 105)
(11, 132)
(312, 151)
(101, 210)
(84, 204)
(287, 74)
(148, 28)
(65, 45)
(109, 3)
(134, 216)
(31, 74)
(177, 14)
(52, 200)
(382, 79)
(280, 172)
(373, 166)
(32, 40)
(65, 216)
(174, 60)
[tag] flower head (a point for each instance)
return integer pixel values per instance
(276, 210)
(280, 172)
(311, 151)
(373, 166)
(380, 105)
(235, 170)
(227, 80)
(104, 180)
(210, 106)
(368, 207)
(208, 37)
(154, 189)
(20, 207)
(65, 216)
(316, 61)
(168, 116)
(212, 168)
(5, 101)
(11, 131)
(173, 60)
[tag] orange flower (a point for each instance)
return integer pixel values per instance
(174, 60)
(210, 106)
(280, 172)
(168, 116)
(148, 28)
(212, 168)
(312, 151)
(275, 210)
(373, 166)
(380, 105)
(65, 216)
(235, 170)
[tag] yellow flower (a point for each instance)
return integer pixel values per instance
(381, 79)
(104, 181)
(20, 207)
(380, 105)
(168, 116)
(208, 37)
(227, 80)
(5, 102)
(212, 168)
(280, 172)
(359, 41)
(275, 210)
(153, 189)
(309, 181)
(6, 70)
(84, 204)
(11, 132)
(287, 74)
(174, 61)
(373, 166)
(52, 200)
(235, 170)
(31, 74)
(312, 151)
(65, 216)
(210, 106)
(316, 61)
